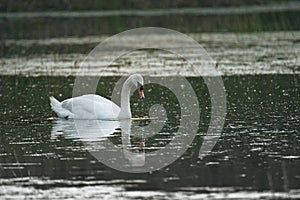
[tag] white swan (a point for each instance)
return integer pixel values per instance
(93, 106)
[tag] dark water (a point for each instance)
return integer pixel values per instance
(257, 156)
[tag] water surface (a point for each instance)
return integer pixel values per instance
(257, 155)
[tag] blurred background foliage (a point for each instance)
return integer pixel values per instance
(35, 19)
(76, 5)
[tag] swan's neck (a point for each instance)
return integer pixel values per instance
(125, 112)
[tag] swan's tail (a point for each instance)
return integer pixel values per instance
(56, 106)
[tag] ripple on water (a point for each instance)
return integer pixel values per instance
(97, 189)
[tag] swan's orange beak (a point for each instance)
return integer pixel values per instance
(141, 91)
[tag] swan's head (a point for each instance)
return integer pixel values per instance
(138, 81)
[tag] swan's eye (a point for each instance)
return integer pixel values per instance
(139, 84)
(141, 87)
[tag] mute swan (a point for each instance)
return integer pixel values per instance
(93, 106)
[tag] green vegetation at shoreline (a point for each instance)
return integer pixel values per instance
(81, 5)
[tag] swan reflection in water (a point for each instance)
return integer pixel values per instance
(98, 134)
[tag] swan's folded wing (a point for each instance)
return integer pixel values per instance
(78, 104)
(67, 104)
(91, 107)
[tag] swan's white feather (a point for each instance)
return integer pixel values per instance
(60, 111)
(88, 106)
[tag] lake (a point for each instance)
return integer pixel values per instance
(257, 155)
(255, 49)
